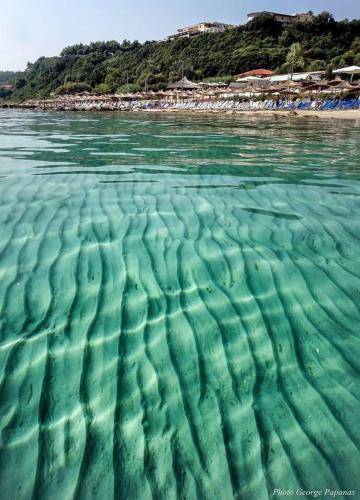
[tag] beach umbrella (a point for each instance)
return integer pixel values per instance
(197, 96)
(208, 94)
(337, 79)
(317, 86)
(336, 86)
(289, 87)
(272, 89)
(220, 91)
(290, 84)
(183, 84)
(343, 85)
(310, 83)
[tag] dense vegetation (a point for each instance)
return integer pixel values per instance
(8, 77)
(262, 43)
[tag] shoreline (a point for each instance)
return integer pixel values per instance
(338, 114)
(318, 114)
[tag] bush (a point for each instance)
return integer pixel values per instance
(73, 88)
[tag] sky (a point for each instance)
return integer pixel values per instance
(33, 28)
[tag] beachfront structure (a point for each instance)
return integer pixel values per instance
(253, 81)
(200, 28)
(286, 19)
(297, 77)
(250, 81)
(349, 70)
(259, 73)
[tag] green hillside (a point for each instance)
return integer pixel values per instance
(9, 76)
(262, 43)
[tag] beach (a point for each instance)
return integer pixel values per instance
(341, 114)
(338, 115)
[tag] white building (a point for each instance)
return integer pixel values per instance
(200, 28)
(297, 77)
(287, 19)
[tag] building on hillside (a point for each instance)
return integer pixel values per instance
(286, 19)
(200, 28)
(260, 73)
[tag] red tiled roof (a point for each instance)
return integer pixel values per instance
(257, 72)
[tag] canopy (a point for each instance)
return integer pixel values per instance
(249, 79)
(349, 70)
(296, 77)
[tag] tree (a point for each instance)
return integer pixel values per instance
(329, 72)
(295, 59)
(20, 82)
(266, 24)
(73, 88)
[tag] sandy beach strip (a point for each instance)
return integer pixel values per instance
(338, 114)
(335, 114)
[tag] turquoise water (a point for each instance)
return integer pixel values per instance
(179, 301)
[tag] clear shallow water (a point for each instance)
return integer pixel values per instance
(179, 304)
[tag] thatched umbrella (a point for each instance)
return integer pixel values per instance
(317, 87)
(306, 85)
(183, 84)
(356, 88)
(290, 84)
(273, 89)
(198, 96)
(170, 94)
(248, 90)
(335, 81)
(343, 85)
(289, 87)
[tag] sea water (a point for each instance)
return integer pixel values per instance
(179, 300)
